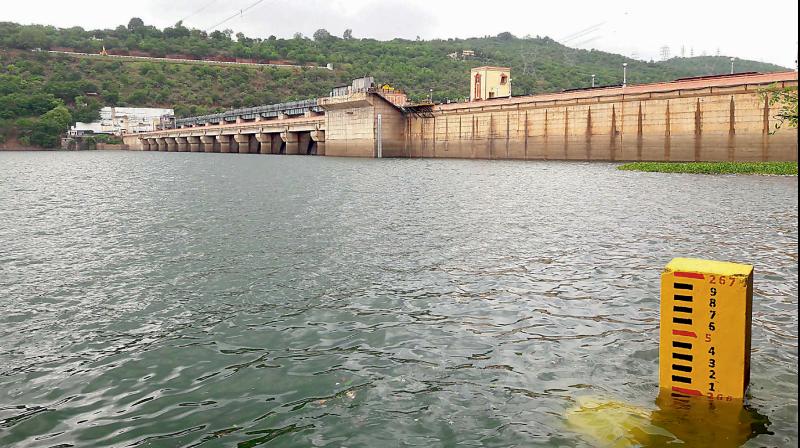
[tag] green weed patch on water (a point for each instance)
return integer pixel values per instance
(766, 168)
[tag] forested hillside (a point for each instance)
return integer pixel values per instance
(33, 83)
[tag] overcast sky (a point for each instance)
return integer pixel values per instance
(764, 31)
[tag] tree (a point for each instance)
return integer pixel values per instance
(322, 34)
(506, 36)
(177, 31)
(46, 130)
(348, 34)
(33, 37)
(121, 32)
(218, 35)
(135, 24)
(111, 97)
(786, 100)
(86, 110)
(26, 104)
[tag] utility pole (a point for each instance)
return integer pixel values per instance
(732, 59)
(592, 81)
(624, 74)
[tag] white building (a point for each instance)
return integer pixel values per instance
(119, 120)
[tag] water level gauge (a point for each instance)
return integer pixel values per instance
(706, 309)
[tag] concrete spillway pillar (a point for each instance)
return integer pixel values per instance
(145, 144)
(264, 143)
(243, 141)
(172, 145)
(292, 142)
(224, 143)
(182, 144)
(304, 143)
(207, 142)
(278, 146)
(162, 144)
(152, 144)
(319, 137)
(194, 144)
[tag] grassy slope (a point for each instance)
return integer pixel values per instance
(538, 65)
(191, 88)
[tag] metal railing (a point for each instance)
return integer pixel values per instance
(251, 113)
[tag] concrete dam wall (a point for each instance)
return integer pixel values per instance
(726, 118)
(727, 123)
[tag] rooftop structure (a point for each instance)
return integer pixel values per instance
(463, 55)
(358, 85)
(490, 82)
(393, 95)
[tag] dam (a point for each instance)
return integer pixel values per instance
(713, 118)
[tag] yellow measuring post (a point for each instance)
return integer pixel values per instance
(706, 315)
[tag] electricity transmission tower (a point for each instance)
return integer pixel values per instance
(664, 53)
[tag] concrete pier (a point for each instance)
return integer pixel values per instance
(292, 142)
(194, 144)
(318, 136)
(264, 142)
(172, 145)
(182, 144)
(304, 143)
(224, 142)
(208, 142)
(243, 142)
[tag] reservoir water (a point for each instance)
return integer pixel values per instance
(177, 299)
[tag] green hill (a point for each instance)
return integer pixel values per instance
(35, 82)
(713, 65)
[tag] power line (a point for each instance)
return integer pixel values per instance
(584, 42)
(240, 13)
(582, 32)
(202, 8)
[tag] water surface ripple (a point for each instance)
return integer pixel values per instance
(151, 299)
